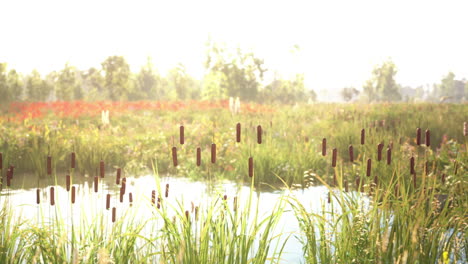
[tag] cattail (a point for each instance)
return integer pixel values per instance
(358, 182)
(334, 157)
(52, 196)
(49, 165)
(73, 194)
(351, 153)
(213, 153)
(187, 214)
(153, 197)
(251, 167)
(1, 161)
(117, 179)
(443, 178)
(159, 203)
(68, 182)
(225, 197)
(329, 197)
(379, 151)
(455, 170)
(174, 156)
(235, 204)
(9, 177)
(324, 147)
(38, 196)
(196, 213)
(108, 196)
(181, 135)
(96, 183)
(369, 167)
(167, 191)
(238, 132)
(412, 171)
(124, 183)
(130, 198)
(345, 183)
(428, 137)
(259, 134)
(198, 157)
(363, 136)
(113, 214)
(73, 160)
(418, 136)
(101, 169)
(121, 194)
(376, 181)
(465, 129)
(389, 156)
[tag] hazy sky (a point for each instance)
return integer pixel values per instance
(340, 41)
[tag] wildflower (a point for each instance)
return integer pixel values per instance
(445, 257)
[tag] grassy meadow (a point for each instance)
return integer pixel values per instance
(396, 178)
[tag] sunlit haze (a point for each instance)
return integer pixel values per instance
(340, 41)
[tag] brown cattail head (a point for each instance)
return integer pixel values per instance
(363, 136)
(235, 204)
(225, 197)
(187, 215)
(181, 135)
(73, 160)
(174, 156)
(108, 198)
(113, 214)
(455, 170)
(153, 197)
(329, 197)
(251, 167)
(334, 154)
(119, 173)
(213, 153)
(96, 183)
(130, 198)
(379, 151)
(196, 213)
(324, 147)
(124, 184)
(159, 203)
(49, 165)
(238, 132)
(442, 179)
(101, 169)
(198, 157)
(38, 196)
(418, 136)
(121, 194)
(389, 156)
(52, 196)
(259, 134)
(73, 194)
(9, 177)
(412, 171)
(351, 153)
(428, 137)
(68, 182)
(167, 191)
(369, 167)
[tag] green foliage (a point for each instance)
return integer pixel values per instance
(117, 78)
(382, 85)
(38, 89)
(67, 87)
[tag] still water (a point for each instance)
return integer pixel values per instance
(22, 197)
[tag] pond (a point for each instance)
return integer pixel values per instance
(22, 196)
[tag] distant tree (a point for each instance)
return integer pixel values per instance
(382, 85)
(243, 72)
(348, 93)
(38, 89)
(67, 87)
(92, 84)
(180, 83)
(4, 89)
(149, 84)
(286, 91)
(449, 89)
(214, 86)
(117, 78)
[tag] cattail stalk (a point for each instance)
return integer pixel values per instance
(181, 135)
(251, 167)
(52, 196)
(389, 156)
(369, 167)
(418, 136)
(379, 151)
(412, 171)
(238, 132)
(198, 157)
(113, 214)
(363, 136)
(96, 184)
(108, 198)
(428, 138)
(174, 156)
(351, 154)
(124, 184)
(259, 134)
(73, 194)
(213, 153)
(334, 154)
(121, 194)
(38, 196)
(324, 147)
(68, 182)
(119, 173)
(101, 169)
(73, 160)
